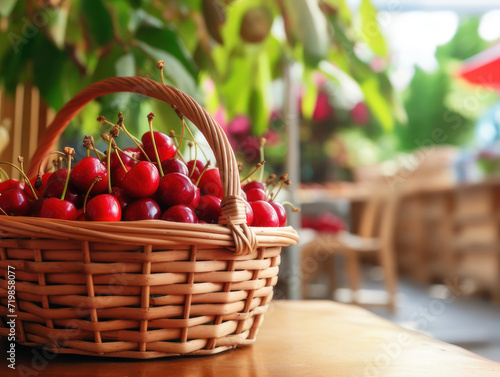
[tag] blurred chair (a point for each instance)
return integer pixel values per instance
(375, 237)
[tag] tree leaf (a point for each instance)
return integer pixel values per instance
(370, 30)
(6, 7)
(310, 95)
(378, 104)
(58, 20)
(174, 69)
(167, 40)
(98, 21)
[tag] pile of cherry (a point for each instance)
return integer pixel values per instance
(150, 181)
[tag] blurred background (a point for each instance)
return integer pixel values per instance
(385, 114)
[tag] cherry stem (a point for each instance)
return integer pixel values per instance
(88, 153)
(281, 180)
(43, 163)
(270, 179)
(258, 166)
(108, 164)
(117, 151)
(96, 180)
(285, 182)
(5, 213)
(294, 209)
(69, 152)
(4, 173)
(196, 145)
(24, 176)
(262, 143)
(203, 172)
(150, 122)
(177, 146)
(132, 137)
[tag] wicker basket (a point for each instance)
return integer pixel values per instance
(142, 289)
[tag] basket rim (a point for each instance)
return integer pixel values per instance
(153, 232)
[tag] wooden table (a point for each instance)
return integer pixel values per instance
(297, 338)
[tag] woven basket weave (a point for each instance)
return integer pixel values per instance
(141, 289)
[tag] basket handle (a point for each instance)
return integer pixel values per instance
(233, 214)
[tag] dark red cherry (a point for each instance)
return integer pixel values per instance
(249, 213)
(142, 180)
(210, 183)
(117, 175)
(80, 215)
(36, 207)
(255, 194)
(142, 209)
(164, 145)
(55, 189)
(104, 207)
(14, 202)
(180, 214)
(209, 209)
(55, 208)
(39, 190)
(197, 170)
(176, 188)
(123, 198)
(196, 199)
(173, 165)
(85, 172)
(253, 185)
(58, 174)
(280, 211)
(10, 184)
(115, 162)
(264, 214)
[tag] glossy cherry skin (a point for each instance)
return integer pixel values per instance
(164, 145)
(173, 165)
(200, 165)
(210, 183)
(134, 152)
(10, 184)
(142, 180)
(55, 208)
(176, 188)
(264, 214)
(85, 171)
(196, 199)
(14, 202)
(58, 174)
(142, 209)
(39, 190)
(249, 213)
(117, 175)
(209, 209)
(115, 162)
(180, 214)
(280, 211)
(55, 188)
(104, 207)
(255, 194)
(254, 185)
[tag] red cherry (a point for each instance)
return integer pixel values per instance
(196, 199)
(117, 175)
(133, 152)
(123, 198)
(197, 170)
(11, 184)
(173, 165)
(55, 188)
(14, 202)
(36, 207)
(254, 185)
(280, 211)
(264, 214)
(39, 190)
(58, 209)
(58, 174)
(114, 162)
(209, 209)
(176, 188)
(104, 207)
(210, 183)
(255, 194)
(85, 172)
(164, 145)
(180, 214)
(142, 209)
(81, 215)
(142, 180)
(249, 213)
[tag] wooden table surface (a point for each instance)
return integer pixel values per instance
(297, 338)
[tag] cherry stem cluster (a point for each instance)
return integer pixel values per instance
(24, 176)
